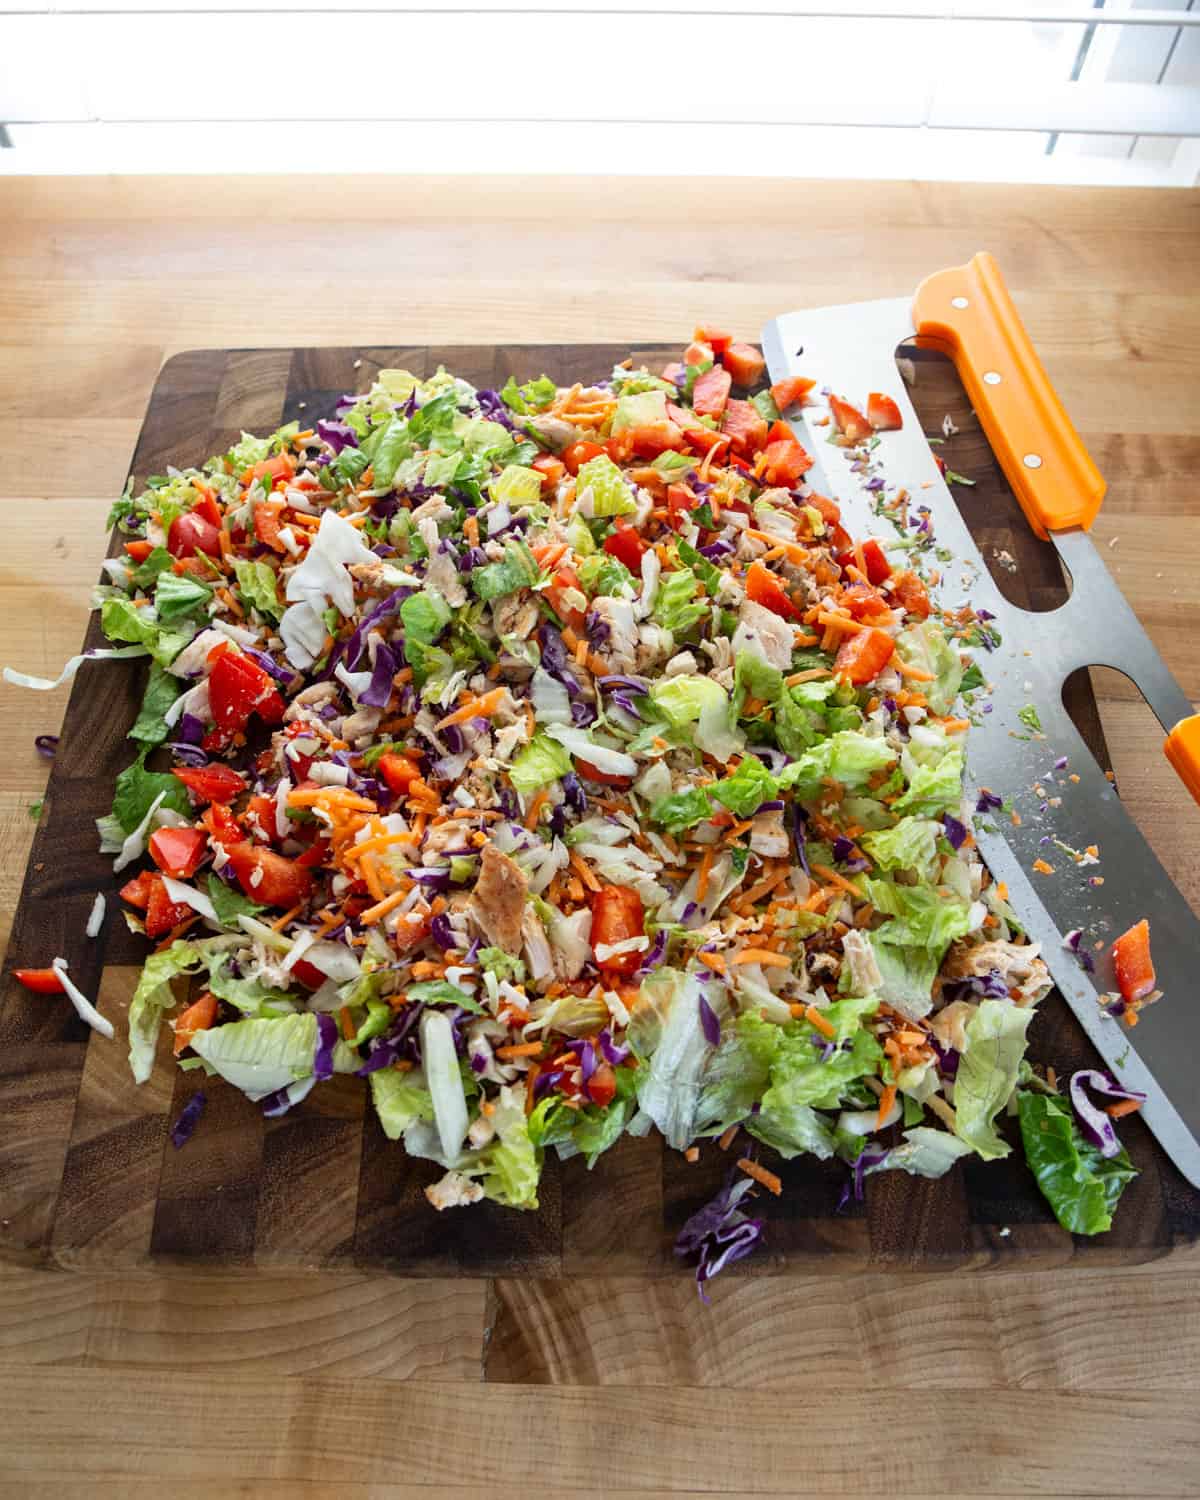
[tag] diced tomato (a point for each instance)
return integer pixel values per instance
(785, 463)
(317, 852)
(268, 522)
(139, 551)
(215, 783)
(911, 594)
(601, 1087)
(863, 656)
(590, 772)
(279, 467)
(850, 421)
(178, 851)
(565, 578)
(398, 771)
(865, 603)
(626, 546)
(239, 687)
(222, 825)
(711, 392)
(744, 363)
(651, 440)
(579, 454)
(702, 439)
(763, 587)
(791, 392)
(697, 353)
(268, 877)
(190, 534)
(717, 341)
(199, 1016)
(162, 914)
(680, 500)
(744, 427)
(883, 413)
(1131, 959)
(550, 468)
(617, 915)
(40, 981)
(137, 890)
(260, 816)
(308, 974)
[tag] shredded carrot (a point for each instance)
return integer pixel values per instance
(791, 550)
(381, 908)
(482, 707)
(1042, 867)
(1123, 1107)
(831, 877)
(956, 726)
(692, 1155)
(427, 968)
(471, 530)
(281, 922)
(917, 674)
(583, 872)
(335, 796)
(760, 1174)
(702, 873)
(520, 1049)
(715, 962)
(814, 1018)
(762, 956)
(810, 676)
(886, 1100)
(535, 809)
(349, 1031)
(727, 1139)
(840, 622)
(370, 873)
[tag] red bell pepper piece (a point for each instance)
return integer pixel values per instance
(791, 392)
(850, 421)
(590, 772)
(139, 551)
(137, 890)
(178, 851)
(215, 783)
(579, 454)
(785, 463)
(763, 587)
(162, 914)
(199, 1016)
(697, 353)
(565, 577)
(716, 340)
(626, 546)
(398, 771)
(911, 594)
(1131, 959)
(680, 500)
(550, 468)
(238, 688)
(268, 877)
(40, 981)
(883, 413)
(863, 656)
(711, 392)
(744, 427)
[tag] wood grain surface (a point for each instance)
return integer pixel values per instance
(1061, 1383)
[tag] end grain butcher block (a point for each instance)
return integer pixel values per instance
(88, 1175)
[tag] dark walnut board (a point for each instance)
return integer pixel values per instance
(88, 1176)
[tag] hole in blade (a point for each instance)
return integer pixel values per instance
(1026, 570)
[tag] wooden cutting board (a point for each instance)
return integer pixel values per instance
(88, 1175)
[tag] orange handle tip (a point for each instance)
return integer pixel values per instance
(967, 311)
(1182, 749)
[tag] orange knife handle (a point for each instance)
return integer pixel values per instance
(967, 311)
(1182, 749)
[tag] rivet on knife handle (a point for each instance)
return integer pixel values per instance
(967, 311)
(1182, 749)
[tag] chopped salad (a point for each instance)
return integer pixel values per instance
(553, 760)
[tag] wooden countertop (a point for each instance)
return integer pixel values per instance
(1074, 1383)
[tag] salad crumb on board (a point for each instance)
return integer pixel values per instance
(553, 760)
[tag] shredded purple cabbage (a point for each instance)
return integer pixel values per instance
(189, 1118)
(613, 1053)
(988, 801)
(442, 932)
(338, 435)
(379, 691)
(327, 1035)
(956, 831)
(655, 954)
(269, 665)
(1096, 1125)
(491, 404)
(709, 1023)
(799, 818)
(990, 986)
(46, 744)
(719, 1233)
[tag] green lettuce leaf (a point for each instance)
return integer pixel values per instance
(934, 789)
(425, 616)
(602, 574)
(152, 998)
(517, 569)
(136, 788)
(250, 996)
(681, 700)
(542, 761)
(122, 620)
(258, 585)
(146, 572)
(229, 903)
(179, 594)
(910, 845)
(922, 916)
(511, 1163)
(162, 689)
(925, 646)
(682, 810)
(906, 974)
(745, 791)
(400, 1099)
(534, 395)
(676, 607)
(516, 486)
(987, 1073)
(1080, 1185)
(640, 409)
(847, 756)
(261, 1056)
(611, 495)
(925, 1153)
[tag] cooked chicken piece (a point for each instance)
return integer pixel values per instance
(498, 900)
(768, 836)
(949, 1025)
(553, 431)
(453, 1191)
(764, 635)
(865, 977)
(536, 947)
(1017, 964)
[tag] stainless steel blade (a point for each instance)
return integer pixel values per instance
(1062, 809)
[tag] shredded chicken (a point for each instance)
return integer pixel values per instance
(498, 900)
(453, 1191)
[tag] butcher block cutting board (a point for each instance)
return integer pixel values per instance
(88, 1174)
